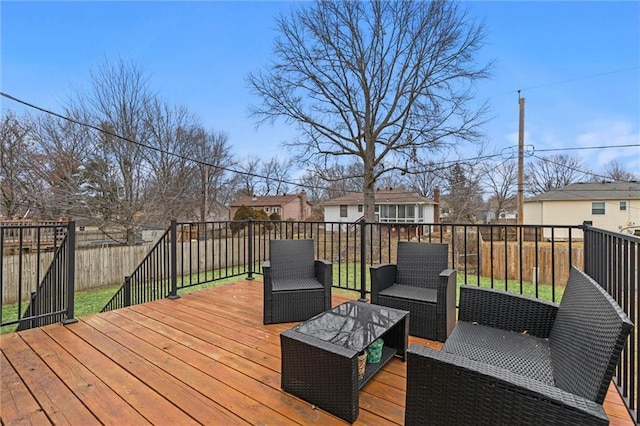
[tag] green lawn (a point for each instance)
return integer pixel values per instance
(92, 301)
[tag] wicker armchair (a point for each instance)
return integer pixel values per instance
(514, 360)
(421, 284)
(296, 287)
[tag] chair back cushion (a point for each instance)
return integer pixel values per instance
(291, 259)
(420, 264)
(587, 337)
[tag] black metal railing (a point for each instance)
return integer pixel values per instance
(188, 254)
(38, 294)
(612, 260)
(526, 259)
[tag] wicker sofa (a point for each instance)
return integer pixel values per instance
(514, 360)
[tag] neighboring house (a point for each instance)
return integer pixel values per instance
(289, 207)
(392, 206)
(613, 206)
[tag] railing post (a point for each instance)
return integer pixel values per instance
(250, 249)
(363, 260)
(71, 273)
(586, 236)
(173, 259)
(127, 291)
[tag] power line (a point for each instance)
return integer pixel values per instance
(581, 78)
(143, 145)
(570, 80)
(575, 169)
(583, 148)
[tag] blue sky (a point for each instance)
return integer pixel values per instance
(577, 63)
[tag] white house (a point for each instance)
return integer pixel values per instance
(613, 206)
(392, 206)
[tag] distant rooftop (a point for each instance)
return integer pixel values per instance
(382, 196)
(593, 191)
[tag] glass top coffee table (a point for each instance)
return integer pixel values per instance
(319, 356)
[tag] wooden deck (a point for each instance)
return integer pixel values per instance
(205, 358)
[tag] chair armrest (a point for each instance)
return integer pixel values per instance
(382, 277)
(447, 285)
(323, 271)
(507, 311)
(445, 388)
(266, 275)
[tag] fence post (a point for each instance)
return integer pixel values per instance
(71, 273)
(127, 290)
(173, 260)
(363, 260)
(250, 249)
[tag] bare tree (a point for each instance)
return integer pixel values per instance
(616, 172)
(249, 177)
(463, 195)
(172, 136)
(379, 82)
(501, 180)
(15, 152)
(553, 172)
(425, 182)
(119, 99)
(62, 148)
(214, 184)
(276, 173)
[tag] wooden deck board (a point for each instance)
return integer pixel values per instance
(205, 358)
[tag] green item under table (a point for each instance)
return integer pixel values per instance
(374, 351)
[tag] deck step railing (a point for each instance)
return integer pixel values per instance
(44, 284)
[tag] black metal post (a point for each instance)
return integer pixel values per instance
(127, 291)
(363, 261)
(173, 259)
(250, 249)
(71, 273)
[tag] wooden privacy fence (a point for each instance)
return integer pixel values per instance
(552, 261)
(107, 266)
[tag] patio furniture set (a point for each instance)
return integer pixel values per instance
(509, 359)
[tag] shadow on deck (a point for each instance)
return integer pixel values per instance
(205, 358)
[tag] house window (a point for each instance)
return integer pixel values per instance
(276, 210)
(266, 209)
(622, 205)
(343, 210)
(359, 208)
(597, 207)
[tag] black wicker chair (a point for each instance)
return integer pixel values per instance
(296, 287)
(421, 284)
(514, 360)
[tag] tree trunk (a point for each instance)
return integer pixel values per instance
(369, 182)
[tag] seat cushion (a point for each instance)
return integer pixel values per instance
(411, 293)
(295, 284)
(519, 353)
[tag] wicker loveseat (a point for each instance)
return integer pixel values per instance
(514, 360)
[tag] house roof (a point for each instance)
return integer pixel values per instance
(382, 196)
(592, 191)
(268, 200)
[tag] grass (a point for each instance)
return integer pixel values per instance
(349, 278)
(88, 302)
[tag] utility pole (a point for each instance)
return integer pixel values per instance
(521, 161)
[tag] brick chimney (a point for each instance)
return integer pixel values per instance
(436, 198)
(303, 204)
